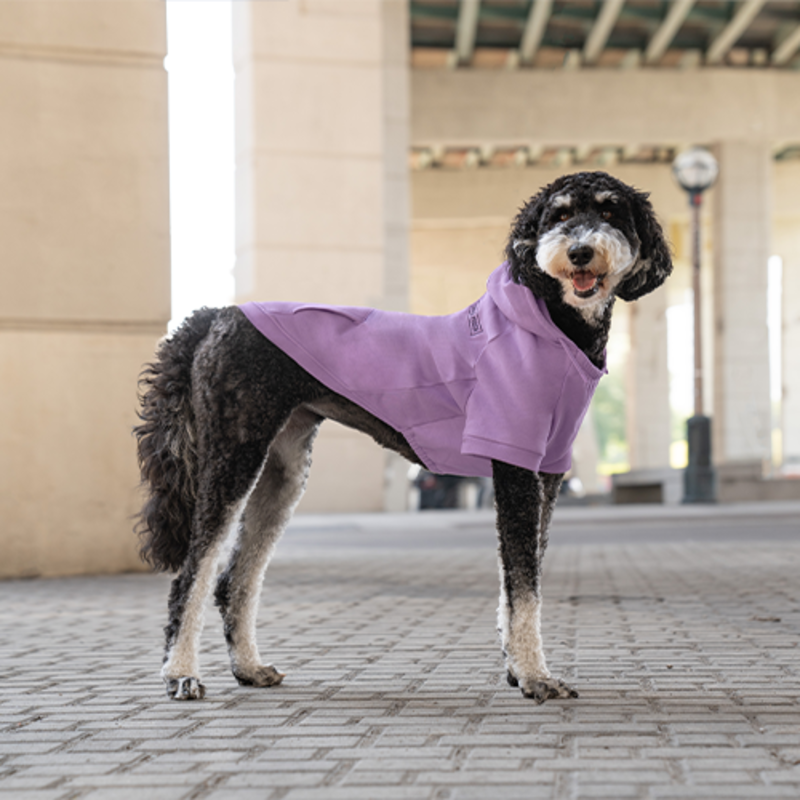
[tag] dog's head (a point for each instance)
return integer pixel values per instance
(585, 239)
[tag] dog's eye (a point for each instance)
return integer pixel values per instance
(606, 214)
(565, 215)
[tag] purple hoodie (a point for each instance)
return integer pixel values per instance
(497, 380)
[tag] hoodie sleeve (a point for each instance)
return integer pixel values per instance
(510, 412)
(570, 410)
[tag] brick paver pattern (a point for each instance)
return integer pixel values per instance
(686, 658)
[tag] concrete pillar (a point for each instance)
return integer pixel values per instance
(647, 408)
(742, 235)
(787, 246)
(790, 416)
(84, 266)
(322, 186)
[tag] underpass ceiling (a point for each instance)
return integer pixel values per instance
(597, 34)
(550, 34)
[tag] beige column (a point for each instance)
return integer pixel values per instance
(322, 186)
(787, 246)
(84, 259)
(742, 235)
(647, 407)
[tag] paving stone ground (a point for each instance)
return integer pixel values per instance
(683, 644)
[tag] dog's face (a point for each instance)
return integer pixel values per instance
(587, 241)
(591, 237)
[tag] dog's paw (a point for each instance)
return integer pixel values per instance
(541, 689)
(185, 689)
(260, 676)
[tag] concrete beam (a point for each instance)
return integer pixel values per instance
(733, 30)
(663, 37)
(467, 29)
(603, 26)
(787, 48)
(473, 107)
(534, 30)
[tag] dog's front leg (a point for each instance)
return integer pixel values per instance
(525, 502)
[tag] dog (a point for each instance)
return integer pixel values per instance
(231, 405)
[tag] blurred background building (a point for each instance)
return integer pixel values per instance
(381, 151)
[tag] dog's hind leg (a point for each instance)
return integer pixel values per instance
(221, 501)
(268, 510)
(524, 506)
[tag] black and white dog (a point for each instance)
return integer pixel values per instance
(228, 420)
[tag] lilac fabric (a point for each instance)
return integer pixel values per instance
(497, 380)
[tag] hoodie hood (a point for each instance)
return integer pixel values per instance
(519, 305)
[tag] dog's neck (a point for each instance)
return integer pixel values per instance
(590, 334)
(592, 338)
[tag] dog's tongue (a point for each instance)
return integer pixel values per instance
(584, 280)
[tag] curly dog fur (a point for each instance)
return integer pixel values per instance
(228, 422)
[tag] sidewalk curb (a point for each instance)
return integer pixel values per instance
(591, 515)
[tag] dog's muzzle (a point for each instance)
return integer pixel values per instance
(584, 282)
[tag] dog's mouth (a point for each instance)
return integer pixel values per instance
(585, 283)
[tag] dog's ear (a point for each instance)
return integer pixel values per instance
(522, 240)
(655, 260)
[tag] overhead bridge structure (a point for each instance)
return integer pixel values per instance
(381, 149)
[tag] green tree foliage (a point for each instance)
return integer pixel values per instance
(608, 408)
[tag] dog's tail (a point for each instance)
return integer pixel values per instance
(167, 440)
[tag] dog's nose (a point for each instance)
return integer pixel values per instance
(580, 254)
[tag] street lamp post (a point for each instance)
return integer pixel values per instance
(696, 170)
